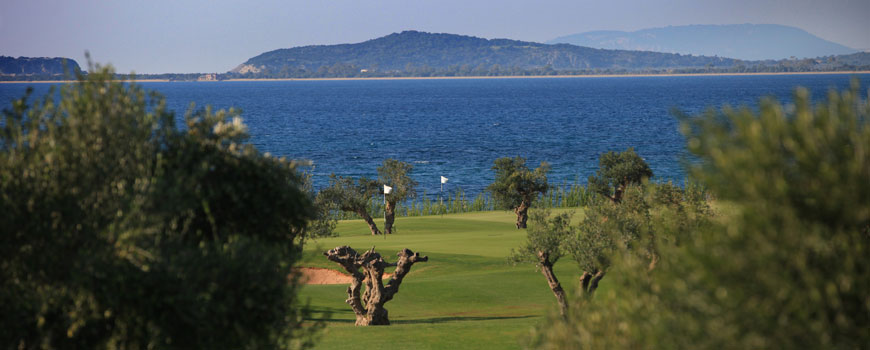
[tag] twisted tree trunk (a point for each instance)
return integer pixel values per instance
(369, 308)
(368, 219)
(389, 217)
(522, 212)
(553, 282)
(589, 282)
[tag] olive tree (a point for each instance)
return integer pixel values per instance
(616, 171)
(547, 242)
(784, 267)
(516, 186)
(369, 308)
(607, 228)
(122, 231)
(353, 196)
(396, 174)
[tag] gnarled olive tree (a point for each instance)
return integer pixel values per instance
(369, 308)
(515, 186)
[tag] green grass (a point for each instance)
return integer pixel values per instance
(465, 297)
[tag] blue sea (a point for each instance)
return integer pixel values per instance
(457, 127)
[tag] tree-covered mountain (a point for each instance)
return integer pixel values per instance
(743, 41)
(420, 51)
(37, 66)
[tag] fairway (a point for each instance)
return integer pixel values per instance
(466, 296)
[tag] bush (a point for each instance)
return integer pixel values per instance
(788, 269)
(121, 231)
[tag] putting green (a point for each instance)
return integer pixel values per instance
(465, 297)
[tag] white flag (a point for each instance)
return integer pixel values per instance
(443, 179)
(387, 189)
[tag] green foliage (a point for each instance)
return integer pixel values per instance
(348, 194)
(397, 174)
(323, 222)
(121, 231)
(787, 270)
(616, 171)
(515, 184)
(547, 235)
(565, 196)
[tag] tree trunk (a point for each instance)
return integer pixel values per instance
(553, 282)
(522, 212)
(589, 282)
(372, 226)
(617, 193)
(369, 309)
(389, 217)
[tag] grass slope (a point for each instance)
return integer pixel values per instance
(466, 297)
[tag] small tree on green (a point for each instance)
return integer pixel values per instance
(547, 241)
(396, 174)
(515, 186)
(616, 171)
(353, 196)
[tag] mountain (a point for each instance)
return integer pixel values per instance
(41, 66)
(413, 50)
(743, 41)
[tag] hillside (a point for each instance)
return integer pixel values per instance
(413, 50)
(36, 66)
(742, 41)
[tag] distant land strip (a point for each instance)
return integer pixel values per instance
(626, 75)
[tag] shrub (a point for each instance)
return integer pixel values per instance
(121, 231)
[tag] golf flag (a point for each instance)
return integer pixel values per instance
(387, 189)
(443, 179)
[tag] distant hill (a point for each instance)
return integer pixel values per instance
(743, 41)
(36, 66)
(420, 51)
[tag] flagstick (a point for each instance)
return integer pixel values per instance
(385, 215)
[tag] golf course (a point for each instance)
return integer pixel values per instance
(467, 296)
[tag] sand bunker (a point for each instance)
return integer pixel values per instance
(317, 275)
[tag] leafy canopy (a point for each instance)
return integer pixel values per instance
(348, 194)
(121, 231)
(397, 174)
(784, 267)
(616, 171)
(515, 182)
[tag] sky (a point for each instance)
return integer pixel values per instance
(186, 36)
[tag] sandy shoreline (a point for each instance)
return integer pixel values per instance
(470, 77)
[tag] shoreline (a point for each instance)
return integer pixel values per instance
(468, 77)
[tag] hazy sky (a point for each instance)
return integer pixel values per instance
(157, 36)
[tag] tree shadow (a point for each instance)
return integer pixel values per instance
(330, 320)
(457, 318)
(432, 320)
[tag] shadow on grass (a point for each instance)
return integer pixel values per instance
(430, 320)
(457, 318)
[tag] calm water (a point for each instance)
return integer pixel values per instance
(457, 127)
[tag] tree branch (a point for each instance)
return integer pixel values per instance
(407, 258)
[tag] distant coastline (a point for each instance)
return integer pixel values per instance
(628, 75)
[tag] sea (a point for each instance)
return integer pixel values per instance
(456, 128)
